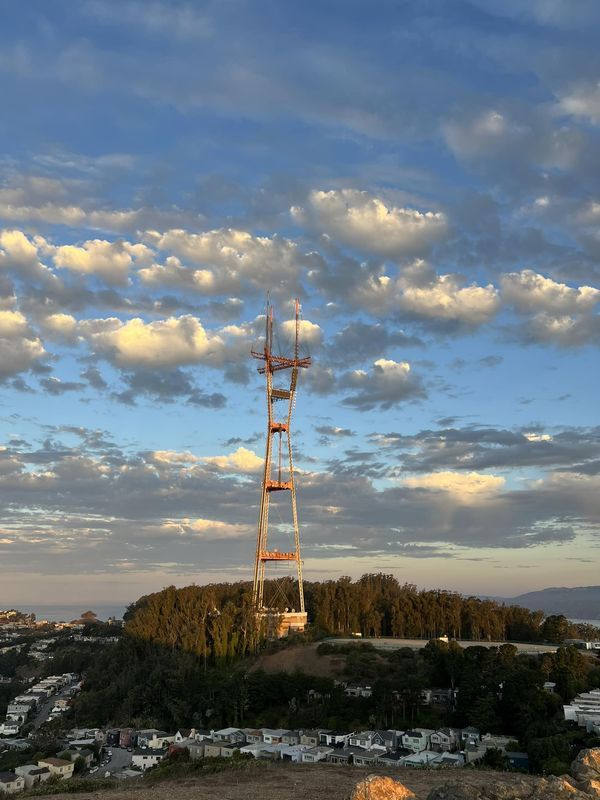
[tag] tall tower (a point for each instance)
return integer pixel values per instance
(278, 477)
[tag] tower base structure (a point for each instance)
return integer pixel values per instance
(279, 624)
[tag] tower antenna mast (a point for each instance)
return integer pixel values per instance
(278, 457)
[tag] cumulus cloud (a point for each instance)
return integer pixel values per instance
(364, 221)
(531, 292)
(112, 261)
(385, 385)
(419, 293)
(20, 349)
(582, 100)
(173, 342)
(208, 530)
(223, 261)
(468, 487)
(242, 460)
(309, 332)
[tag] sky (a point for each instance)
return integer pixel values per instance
(423, 176)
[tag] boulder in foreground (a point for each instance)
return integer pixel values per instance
(378, 787)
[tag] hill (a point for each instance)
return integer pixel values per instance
(280, 781)
(579, 602)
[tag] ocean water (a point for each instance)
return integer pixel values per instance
(66, 613)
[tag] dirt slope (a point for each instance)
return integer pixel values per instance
(289, 782)
(302, 658)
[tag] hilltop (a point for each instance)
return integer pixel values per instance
(578, 602)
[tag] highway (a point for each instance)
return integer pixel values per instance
(418, 644)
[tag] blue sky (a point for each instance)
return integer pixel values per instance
(424, 176)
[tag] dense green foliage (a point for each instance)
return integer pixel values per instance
(187, 658)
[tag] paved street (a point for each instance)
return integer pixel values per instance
(418, 644)
(120, 759)
(44, 710)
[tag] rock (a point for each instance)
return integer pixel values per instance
(550, 788)
(592, 787)
(378, 787)
(586, 766)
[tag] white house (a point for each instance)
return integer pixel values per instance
(144, 758)
(292, 752)
(444, 740)
(356, 690)
(314, 754)
(58, 766)
(362, 739)
(32, 774)
(335, 737)
(273, 735)
(11, 783)
(417, 739)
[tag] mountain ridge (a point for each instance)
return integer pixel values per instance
(579, 602)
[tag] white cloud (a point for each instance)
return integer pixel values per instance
(242, 460)
(174, 457)
(419, 292)
(172, 342)
(531, 292)
(386, 384)
(229, 258)
(361, 220)
(60, 326)
(467, 487)
(112, 261)
(582, 101)
(309, 332)
(20, 348)
(207, 529)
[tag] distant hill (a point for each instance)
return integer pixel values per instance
(580, 602)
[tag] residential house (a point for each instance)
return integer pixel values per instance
(291, 737)
(273, 735)
(11, 783)
(366, 758)
(185, 733)
(17, 712)
(252, 735)
(444, 740)
(335, 738)
(361, 739)
(314, 754)
(470, 735)
(292, 752)
(357, 690)
(311, 738)
(451, 760)
(417, 739)
(144, 757)
(10, 728)
(160, 741)
(424, 758)
(230, 736)
(253, 749)
(87, 755)
(58, 766)
(394, 758)
(196, 749)
(386, 740)
(492, 741)
(229, 750)
(212, 749)
(344, 755)
(145, 736)
(32, 774)
(443, 697)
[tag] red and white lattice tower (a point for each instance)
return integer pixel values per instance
(286, 600)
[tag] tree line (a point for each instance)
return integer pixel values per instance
(217, 621)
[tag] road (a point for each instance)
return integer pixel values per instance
(43, 712)
(418, 644)
(119, 760)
